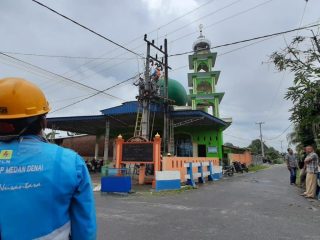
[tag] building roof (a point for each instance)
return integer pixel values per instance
(235, 148)
(122, 119)
(207, 119)
(128, 108)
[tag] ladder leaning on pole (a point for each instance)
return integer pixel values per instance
(171, 137)
(137, 129)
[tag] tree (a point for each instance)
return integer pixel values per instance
(229, 144)
(270, 152)
(302, 58)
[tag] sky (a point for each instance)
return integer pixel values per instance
(254, 90)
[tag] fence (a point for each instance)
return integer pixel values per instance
(204, 170)
(257, 160)
(178, 164)
(245, 157)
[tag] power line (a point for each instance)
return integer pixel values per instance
(224, 19)
(101, 63)
(276, 94)
(240, 138)
(251, 39)
(62, 56)
(93, 95)
(177, 18)
(196, 20)
(55, 74)
(177, 29)
(90, 30)
(303, 13)
(70, 98)
(156, 29)
(281, 133)
(228, 52)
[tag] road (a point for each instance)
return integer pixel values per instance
(259, 205)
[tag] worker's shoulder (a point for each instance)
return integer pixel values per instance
(64, 152)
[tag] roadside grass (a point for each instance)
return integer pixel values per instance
(298, 178)
(166, 193)
(255, 168)
(278, 161)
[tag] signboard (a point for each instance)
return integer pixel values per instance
(137, 152)
(212, 149)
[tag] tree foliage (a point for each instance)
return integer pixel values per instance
(302, 58)
(228, 144)
(270, 152)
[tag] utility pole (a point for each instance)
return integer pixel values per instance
(166, 104)
(145, 122)
(281, 141)
(149, 91)
(262, 146)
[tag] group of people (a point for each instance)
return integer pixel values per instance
(309, 171)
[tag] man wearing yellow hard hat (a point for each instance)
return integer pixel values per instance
(45, 190)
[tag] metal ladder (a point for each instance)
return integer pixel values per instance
(137, 129)
(171, 137)
(152, 125)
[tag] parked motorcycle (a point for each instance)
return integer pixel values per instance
(237, 166)
(94, 165)
(228, 171)
(244, 167)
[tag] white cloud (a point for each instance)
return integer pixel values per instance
(252, 90)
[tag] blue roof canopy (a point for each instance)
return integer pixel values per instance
(122, 118)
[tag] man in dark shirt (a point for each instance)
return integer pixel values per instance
(292, 165)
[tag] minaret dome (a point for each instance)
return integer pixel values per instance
(201, 45)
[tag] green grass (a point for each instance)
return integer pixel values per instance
(278, 161)
(165, 193)
(298, 178)
(256, 168)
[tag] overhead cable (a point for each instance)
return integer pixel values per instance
(57, 75)
(224, 19)
(93, 95)
(65, 56)
(90, 30)
(251, 39)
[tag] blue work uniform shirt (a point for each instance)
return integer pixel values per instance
(45, 192)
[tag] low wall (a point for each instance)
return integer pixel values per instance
(245, 157)
(177, 163)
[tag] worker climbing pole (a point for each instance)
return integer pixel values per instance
(149, 92)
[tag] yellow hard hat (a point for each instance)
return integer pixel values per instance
(21, 99)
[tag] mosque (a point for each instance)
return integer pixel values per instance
(196, 128)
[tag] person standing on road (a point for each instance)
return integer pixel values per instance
(302, 166)
(311, 162)
(292, 165)
(45, 190)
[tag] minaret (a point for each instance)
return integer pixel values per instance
(202, 82)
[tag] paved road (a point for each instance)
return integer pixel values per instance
(258, 206)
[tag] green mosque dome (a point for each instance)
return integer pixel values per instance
(176, 91)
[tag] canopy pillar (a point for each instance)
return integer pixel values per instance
(106, 142)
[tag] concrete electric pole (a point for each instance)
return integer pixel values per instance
(262, 146)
